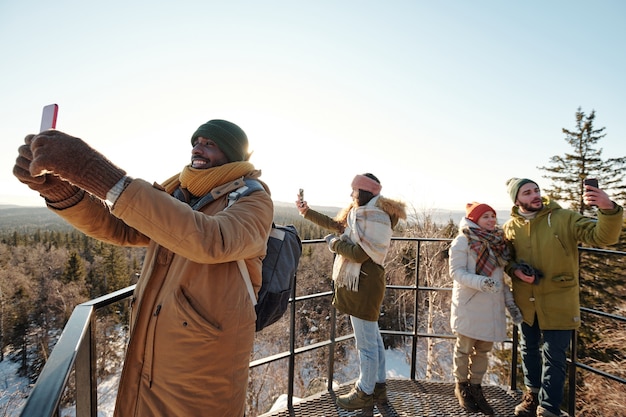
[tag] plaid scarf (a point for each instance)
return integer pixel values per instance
(369, 227)
(490, 248)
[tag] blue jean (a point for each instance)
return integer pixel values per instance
(371, 350)
(545, 365)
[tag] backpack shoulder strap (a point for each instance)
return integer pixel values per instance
(246, 278)
(249, 187)
(246, 189)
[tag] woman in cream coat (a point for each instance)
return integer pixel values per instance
(477, 258)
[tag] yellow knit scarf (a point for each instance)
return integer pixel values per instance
(200, 182)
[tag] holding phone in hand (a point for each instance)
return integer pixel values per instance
(591, 181)
(49, 117)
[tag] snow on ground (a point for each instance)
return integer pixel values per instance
(13, 389)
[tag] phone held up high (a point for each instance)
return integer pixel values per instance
(301, 195)
(591, 181)
(49, 117)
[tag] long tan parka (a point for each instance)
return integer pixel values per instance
(192, 320)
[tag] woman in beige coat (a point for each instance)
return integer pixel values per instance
(479, 293)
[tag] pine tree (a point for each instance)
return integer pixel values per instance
(74, 269)
(599, 273)
(20, 326)
(567, 171)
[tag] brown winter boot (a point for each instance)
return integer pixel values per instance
(528, 406)
(477, 393)
(466, 401)
(356, 399)
(380, 393)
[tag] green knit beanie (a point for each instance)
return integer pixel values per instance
(514, 184)
(229, 137)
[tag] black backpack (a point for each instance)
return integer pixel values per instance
(280, 264)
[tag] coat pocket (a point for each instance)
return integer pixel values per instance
(564, 280)
(188, 319)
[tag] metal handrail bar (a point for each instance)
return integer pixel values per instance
(603, 314)
(311, 296)
(601, 373)
(75, 348)
(282, 355)
(599, 250)
(76, 345)
(46, 395)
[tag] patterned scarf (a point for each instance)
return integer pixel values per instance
(369, 227)
(200, 182)
(490, 248)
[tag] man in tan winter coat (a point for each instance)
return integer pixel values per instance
(192, 320)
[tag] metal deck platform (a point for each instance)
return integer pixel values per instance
(407, 398)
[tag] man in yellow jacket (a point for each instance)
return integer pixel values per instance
(544, 267)
(192, 320)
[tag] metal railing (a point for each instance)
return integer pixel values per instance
(75, 349)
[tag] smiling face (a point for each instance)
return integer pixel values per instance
(206, 154)
(529, 198)
(488, 221)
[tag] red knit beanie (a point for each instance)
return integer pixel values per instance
(474, 211)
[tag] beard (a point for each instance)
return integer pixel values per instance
(530, 207)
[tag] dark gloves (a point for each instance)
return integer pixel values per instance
(73, 160)
(49, 186)
(514, 311)
(527, 269)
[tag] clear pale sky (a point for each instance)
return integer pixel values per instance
(442, 100)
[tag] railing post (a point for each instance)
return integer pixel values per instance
(514, 354)
(292, 346)
(415, 313)
(331, 348)
(85, 372)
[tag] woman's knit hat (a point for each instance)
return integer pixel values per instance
(229, 137)
(474, 211)
(514, 184)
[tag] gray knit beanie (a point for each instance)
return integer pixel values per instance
(514, 184)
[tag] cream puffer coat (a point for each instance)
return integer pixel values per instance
(474, 313)
(192, 320)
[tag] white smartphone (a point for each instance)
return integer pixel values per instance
(49, 117)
